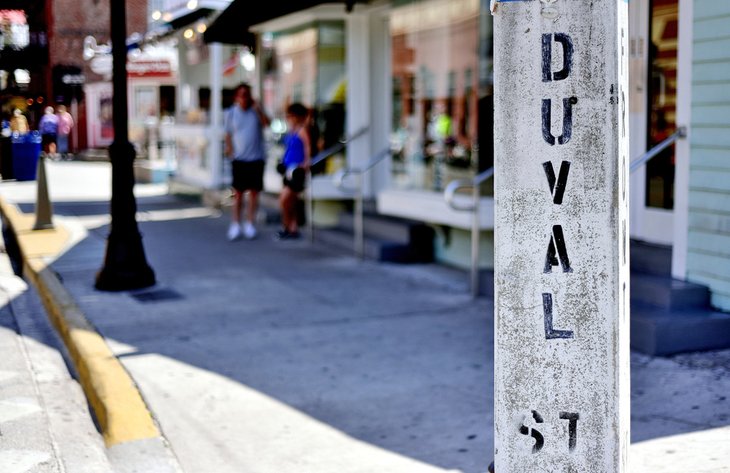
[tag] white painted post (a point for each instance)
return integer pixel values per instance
(561, 275)
(359, 150)
(381, 96)
(682, 149)
(215, 149)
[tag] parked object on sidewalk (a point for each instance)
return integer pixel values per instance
(25, 150)
(43, 207)
(6, 158)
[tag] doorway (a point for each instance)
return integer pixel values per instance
(653, 83)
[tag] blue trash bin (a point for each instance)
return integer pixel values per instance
(26, 150)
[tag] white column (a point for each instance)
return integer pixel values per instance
(381, 101)
(639, 19)
(215, 151)
(561, 217)
(682, 149)
(358, 87)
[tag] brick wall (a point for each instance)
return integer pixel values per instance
(69, 22)
(72, 20)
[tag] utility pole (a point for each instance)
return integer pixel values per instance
(125, 266)
(561, 227)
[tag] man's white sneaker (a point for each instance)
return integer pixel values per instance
(249, 231)
(234, 231)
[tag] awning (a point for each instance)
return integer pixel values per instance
(232, 26)
(181, 17)
(189, 17)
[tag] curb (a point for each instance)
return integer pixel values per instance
(120, 410)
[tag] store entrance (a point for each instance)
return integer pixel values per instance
(654, 44)
(662, 102)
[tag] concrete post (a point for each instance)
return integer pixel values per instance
(43, 206)
(561, 263)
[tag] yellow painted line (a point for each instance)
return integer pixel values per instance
(117, 403)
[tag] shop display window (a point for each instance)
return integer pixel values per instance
(442, 91)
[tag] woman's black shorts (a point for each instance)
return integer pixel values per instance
(296, 183)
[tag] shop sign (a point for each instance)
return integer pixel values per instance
(73, 79)
(149, 68)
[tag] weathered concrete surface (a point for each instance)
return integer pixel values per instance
(561, 354)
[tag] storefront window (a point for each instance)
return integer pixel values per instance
(307, 66)
(442, 91)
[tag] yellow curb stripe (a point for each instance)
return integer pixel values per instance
(117, 403)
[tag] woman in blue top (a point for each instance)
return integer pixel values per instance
(295, 163)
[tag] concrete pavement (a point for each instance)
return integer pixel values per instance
(45, 424)
(268, 356)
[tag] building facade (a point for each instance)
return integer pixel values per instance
(707, 210)
(24, 58)
(69, 23)
(419, 77)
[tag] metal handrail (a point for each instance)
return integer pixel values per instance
(359, 220)
(449, 196)
(644, 158)
(340, 175)
(336, 148)
(454, 186)
(318, 158)
(450, 191)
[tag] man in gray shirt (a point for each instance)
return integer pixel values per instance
(244, 144)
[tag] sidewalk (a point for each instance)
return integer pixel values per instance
(265, 356)
(45, 425)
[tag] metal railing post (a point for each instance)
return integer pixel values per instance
(359, 219)
(450, 197)
(475, 243)
(318, 158)
(310, 206)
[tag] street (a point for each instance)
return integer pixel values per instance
(265, 356)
